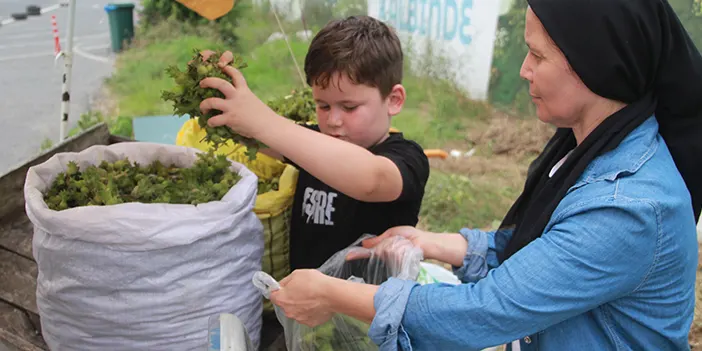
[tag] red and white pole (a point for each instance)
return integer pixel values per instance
(54, 28)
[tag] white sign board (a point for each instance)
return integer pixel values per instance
(461, 31)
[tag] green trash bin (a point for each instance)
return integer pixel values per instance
(121, 17)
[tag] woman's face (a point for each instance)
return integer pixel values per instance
(558, 93)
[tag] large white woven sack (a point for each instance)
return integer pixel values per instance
(139, 276)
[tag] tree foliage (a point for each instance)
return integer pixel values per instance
(156, 11)
(506, 87)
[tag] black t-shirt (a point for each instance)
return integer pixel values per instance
(325, 221)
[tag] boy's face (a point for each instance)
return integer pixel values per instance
(355, 112)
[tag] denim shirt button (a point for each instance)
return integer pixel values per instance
(527, 340)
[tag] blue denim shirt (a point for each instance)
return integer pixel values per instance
(614, 270)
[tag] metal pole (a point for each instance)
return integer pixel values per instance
(68, 68)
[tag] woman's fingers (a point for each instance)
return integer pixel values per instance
(403, 231)
(275, 295)
(287, 279)
(358, 254)
(373, 242)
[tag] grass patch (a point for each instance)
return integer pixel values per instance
(140, 76)
(258, 23)
(436, 112)
(120, 125)
(454, 201)
(271, 72)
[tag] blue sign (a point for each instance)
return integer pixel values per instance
(443, 20)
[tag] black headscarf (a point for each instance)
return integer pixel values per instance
(634, 51)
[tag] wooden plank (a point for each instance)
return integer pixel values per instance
(20, 329)
(12, 183)
(272, 334)
(114, 139)
(18, 276)
(16, 233)
(16, 230)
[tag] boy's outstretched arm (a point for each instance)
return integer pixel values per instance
(349, 168)
(344, 166)
(272, 153)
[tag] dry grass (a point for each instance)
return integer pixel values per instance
(696, 329)
(504, 147)
(515, 137)
(105, 102)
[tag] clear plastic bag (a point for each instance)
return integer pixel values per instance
(396, 257)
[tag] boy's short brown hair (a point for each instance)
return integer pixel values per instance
(362, 47)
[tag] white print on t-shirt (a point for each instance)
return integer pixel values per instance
(318, 205)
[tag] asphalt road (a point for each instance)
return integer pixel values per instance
(30, 80)
(8, 7)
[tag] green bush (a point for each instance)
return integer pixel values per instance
(346, 8)
(507, 88)
(120, 126)
(317, 13)
(454, 201)
(690, 15)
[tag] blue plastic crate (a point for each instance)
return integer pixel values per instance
(158, 129)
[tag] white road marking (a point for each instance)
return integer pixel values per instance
(28, 35)
(76, 39)
(49, 43)
(50, 8)
(91, 36)
(96, 47)
(8, 32)
(19, 57)
(79, 51)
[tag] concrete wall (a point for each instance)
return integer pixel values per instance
(461, 31)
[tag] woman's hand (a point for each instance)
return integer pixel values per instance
(449, 248)
(302, 296)
(312, 298)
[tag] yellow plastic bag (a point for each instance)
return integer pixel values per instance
(272, 208)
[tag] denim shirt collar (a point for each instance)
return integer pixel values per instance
(637, 148)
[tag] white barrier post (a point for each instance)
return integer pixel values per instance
(68, 67)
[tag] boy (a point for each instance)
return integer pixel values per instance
(355, 177)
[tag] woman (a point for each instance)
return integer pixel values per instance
(599, 252)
